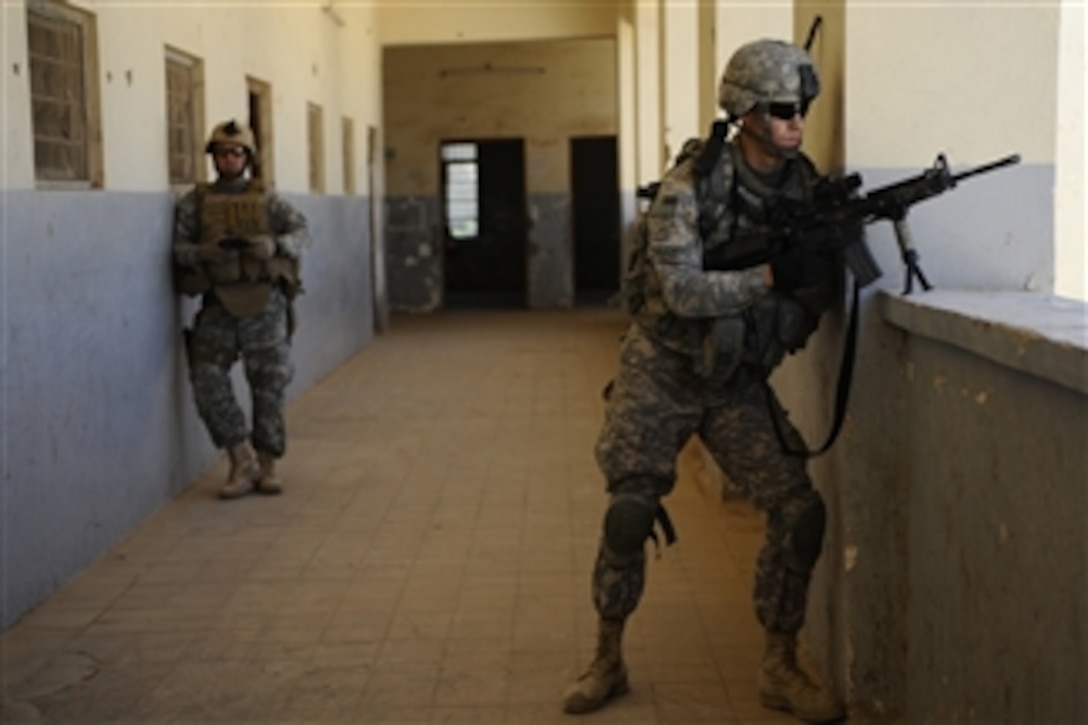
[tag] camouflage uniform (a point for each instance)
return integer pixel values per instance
(219, 337)
(691, 364)
(696, 360)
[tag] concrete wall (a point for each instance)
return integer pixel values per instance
(996, 621)
(903, 575)
(97, 424)
(573, 95)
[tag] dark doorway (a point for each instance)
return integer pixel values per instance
(485, 233)
(259, 106)
(596, 218)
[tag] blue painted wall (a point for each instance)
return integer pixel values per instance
(98, 425)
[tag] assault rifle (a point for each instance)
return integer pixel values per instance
(833, 222)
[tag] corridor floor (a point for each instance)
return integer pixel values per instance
(429, 561)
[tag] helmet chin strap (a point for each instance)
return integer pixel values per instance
(763, 137)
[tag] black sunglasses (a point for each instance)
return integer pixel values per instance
(786, 111)
(235, 151)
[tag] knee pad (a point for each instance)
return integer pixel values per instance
(628, 522)
(807, 531)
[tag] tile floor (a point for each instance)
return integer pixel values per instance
(429, 562)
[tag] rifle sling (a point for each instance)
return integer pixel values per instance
(842, 389)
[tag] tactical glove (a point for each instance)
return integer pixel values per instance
(798, 268)
(217, 254)
(260, 246)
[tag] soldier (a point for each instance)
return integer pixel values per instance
(696, 359)
(237, 245)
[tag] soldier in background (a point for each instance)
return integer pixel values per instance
(696, 359)
(237, 245)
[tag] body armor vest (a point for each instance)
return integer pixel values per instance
(242, 284)
(735, 204)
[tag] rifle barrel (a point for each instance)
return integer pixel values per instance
(1007, 161)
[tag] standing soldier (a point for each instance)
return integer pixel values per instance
(696, 359)
(237, 245)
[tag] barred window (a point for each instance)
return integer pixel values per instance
(461, 175)
(185, 118)
(62, 49)
(315, 128)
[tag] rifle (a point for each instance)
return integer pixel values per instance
(831, 222)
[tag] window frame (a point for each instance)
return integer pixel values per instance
(90, 106)
(347, 141)
(315, 144)
(197, 119)
(450, 159)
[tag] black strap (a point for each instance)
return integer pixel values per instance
(663, 520)
(842, 389)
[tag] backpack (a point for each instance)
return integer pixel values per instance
(637, 240)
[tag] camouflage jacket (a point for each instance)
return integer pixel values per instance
(721, 318)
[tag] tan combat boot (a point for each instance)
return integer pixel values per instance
(606, 676)
(269, 484)
(783, 685)
(244, 471)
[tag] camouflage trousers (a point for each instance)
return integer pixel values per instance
(217, 340)
(656, 404)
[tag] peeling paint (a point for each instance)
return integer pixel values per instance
(982, 397)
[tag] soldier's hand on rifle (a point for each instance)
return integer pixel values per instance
(797, 268)
(217, 253)
(261, 246)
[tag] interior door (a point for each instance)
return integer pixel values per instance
(596, 218)
(486, 230)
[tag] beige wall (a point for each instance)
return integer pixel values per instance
(680, 75)
(573, 94)
(826, 127)
(1071, 204)
(649, 121)
(336, 66)
(483, 21)
(978, 81)
(739, 23)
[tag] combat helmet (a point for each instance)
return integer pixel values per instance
(767, 71)
(232, 132)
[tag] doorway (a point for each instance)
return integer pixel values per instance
(595, 212)
(485, 231)
(259, 106)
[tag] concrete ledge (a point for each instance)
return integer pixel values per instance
(1042, 335)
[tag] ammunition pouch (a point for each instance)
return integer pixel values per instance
(285, 272)
(723, 346)
(235, 216)
(776, 326)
